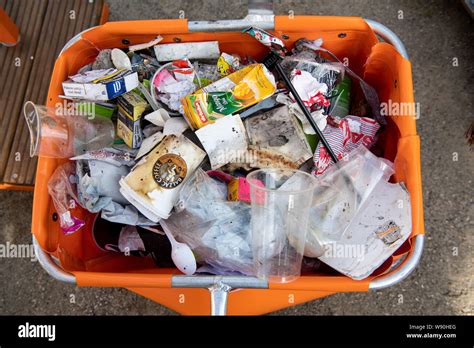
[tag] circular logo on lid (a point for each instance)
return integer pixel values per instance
(169, 171)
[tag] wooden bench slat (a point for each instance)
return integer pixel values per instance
(29, 20)
(51, 33)
(56, 30)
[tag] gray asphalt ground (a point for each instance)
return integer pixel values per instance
(434, 32)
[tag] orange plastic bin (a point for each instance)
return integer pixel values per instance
(76, 259)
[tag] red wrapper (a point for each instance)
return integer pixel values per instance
(344, 135)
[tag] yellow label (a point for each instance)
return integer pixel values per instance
(233, 190)
(241, 89)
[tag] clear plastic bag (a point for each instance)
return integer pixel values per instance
(62, 188)
(341, 193)
(218, 231)
(329, 73)
(98, 174)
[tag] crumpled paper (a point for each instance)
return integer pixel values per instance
(224, 141)
(98, 174)
(309, 89)
(174, 85)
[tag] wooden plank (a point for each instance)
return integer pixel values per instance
(52, 31)
(16, 68)
(58, 28)
(15, 187)
(69, 27)
(83, 20)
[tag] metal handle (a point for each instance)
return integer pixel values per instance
(260, 14)
(219, 294)
(48, 264)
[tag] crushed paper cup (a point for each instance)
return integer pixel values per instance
(224, 141)
(173, 126)
(153, 185)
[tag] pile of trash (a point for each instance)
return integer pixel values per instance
(190, 122)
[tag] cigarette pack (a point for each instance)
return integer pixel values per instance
(130, 109)
(105, 89)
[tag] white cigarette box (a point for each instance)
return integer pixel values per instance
(103, 90)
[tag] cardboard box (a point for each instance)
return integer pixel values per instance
(103, 90)
(130, 110)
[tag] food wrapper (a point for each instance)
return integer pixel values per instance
(238, 188)
(328, 73)
(309, 89)
(227, 96)
(172, 82)
(153, 184)
(256, 157)
(63, 191)
(215, 229)
(227, 64)
(267, 39)
(109, 155)
(205, 74)
(369, 92)
(344, 135)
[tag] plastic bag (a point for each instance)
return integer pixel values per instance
(61, 187)
(369, 92)
(327, 73)
(98, 175)
(98, 184)
(380, 227)
(215, 229)
(342, 191)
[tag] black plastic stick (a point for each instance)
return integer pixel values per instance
(272, 61)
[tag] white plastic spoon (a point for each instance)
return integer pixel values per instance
(181, 253)
(120, 59)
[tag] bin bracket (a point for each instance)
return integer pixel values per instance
(219, 294)
(260, 14)
(219, 287)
